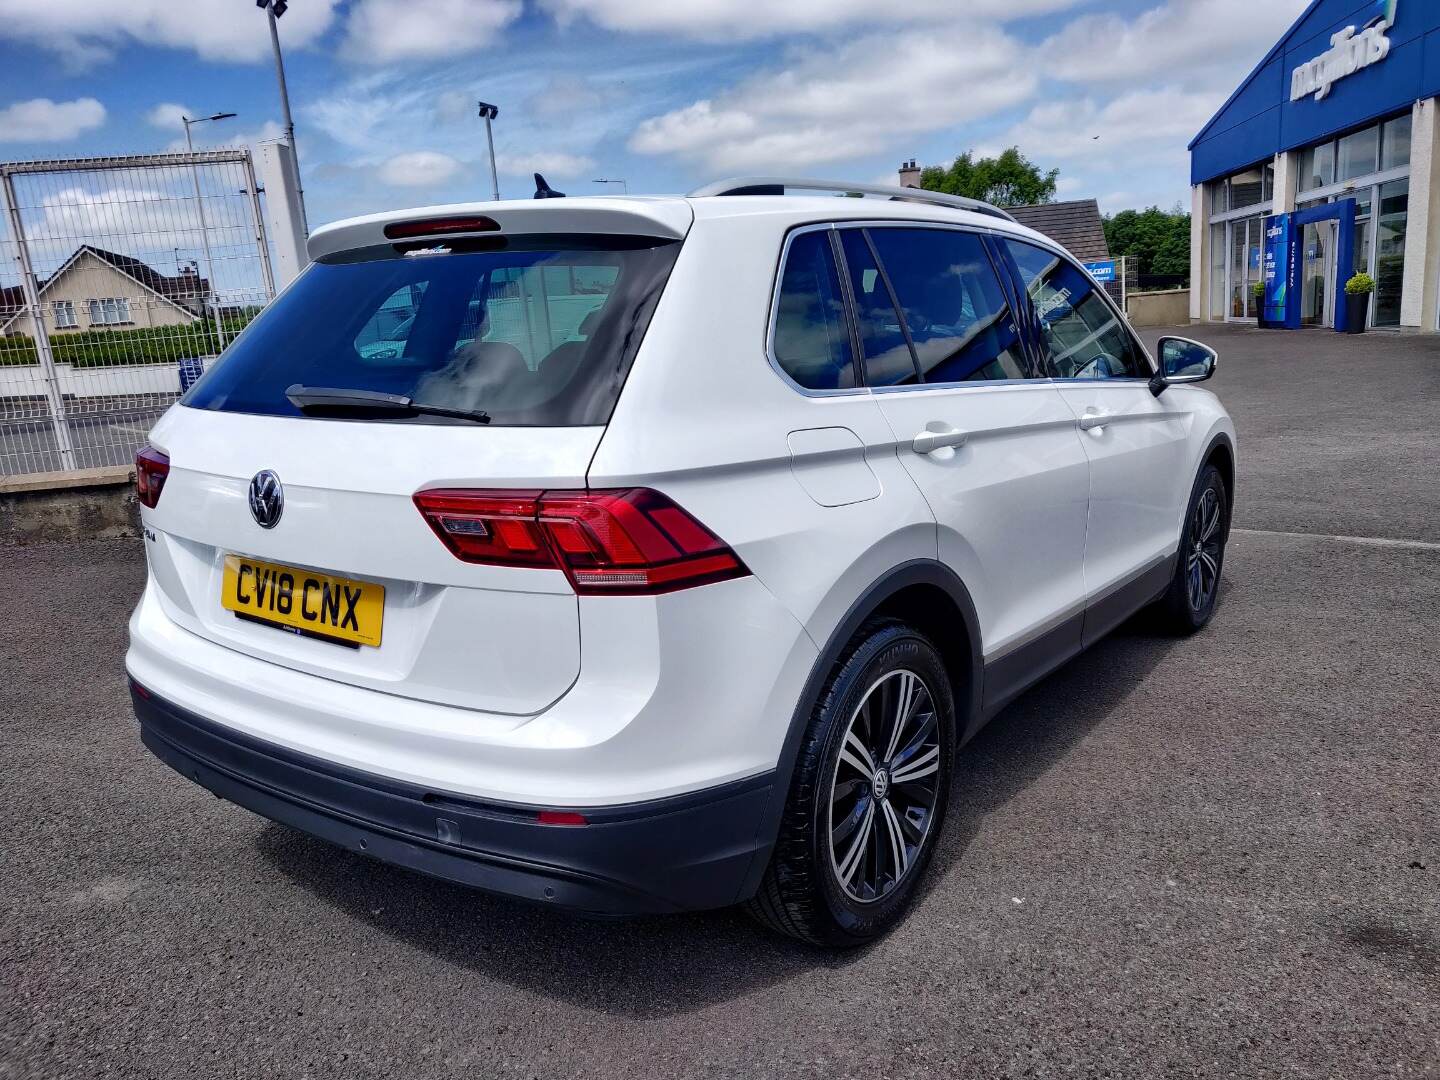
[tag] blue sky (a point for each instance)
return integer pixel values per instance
(665, 93)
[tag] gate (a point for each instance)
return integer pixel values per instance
(121, 279)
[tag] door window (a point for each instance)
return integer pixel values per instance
(1082, 335)
(812, 342)
(953, 306)
(888, 360)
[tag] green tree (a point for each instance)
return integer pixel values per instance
(1159, 240)
(1008, 180)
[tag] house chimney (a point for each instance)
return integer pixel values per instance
(909, 174)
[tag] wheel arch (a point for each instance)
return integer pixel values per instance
(1221, 453)
(924, 593)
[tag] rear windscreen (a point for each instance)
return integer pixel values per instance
(537, 331)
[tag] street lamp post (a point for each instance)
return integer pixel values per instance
(273, 10)
(200, 209)
(623, 185)
(488, 113)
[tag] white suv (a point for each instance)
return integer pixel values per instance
(669, 548)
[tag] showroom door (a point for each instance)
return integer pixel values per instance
(1317, 275)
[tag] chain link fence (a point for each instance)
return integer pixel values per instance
(121, 279)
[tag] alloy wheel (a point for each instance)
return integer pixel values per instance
(1202, 568)
(883, 793)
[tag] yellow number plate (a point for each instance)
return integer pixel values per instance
(332, 607)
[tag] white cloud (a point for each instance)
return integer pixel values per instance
(551, 163)
(847, 102)
(1115, 201)
(383, 32)
(84, 32)
(735, 19)
(1138, 126)
(567, 94)
(167, 115)
(419, 168)
(43, 120)
(1211, 41)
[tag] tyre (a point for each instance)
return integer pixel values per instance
(1189, 602)
(867, 800)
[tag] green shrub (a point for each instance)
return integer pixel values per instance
(136, 345)
(1257, 290)
(1362, 284)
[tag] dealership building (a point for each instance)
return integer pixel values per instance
(1326, 162)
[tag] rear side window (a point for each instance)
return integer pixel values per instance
(812, 340)
(888, 360)
(539, 331)
(1081, 334)
(957, 314)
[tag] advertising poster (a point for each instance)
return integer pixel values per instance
(1278, 265)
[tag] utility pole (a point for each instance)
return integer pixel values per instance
(273, 10)
(488, 113)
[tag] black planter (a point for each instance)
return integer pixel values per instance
(1357, 308)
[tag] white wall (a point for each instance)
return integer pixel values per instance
(1418, 297)
(93, 382)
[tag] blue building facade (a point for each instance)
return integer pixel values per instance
(1324, 163)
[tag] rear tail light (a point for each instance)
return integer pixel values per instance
(630, 541)
(151, 469)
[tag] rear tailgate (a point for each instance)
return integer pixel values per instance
(503, 639)
(519, 333)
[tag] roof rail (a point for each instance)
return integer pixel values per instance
(781, 185)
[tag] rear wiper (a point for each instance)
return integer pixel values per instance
(320, 399)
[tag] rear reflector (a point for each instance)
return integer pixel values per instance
(631, 541)
(399, 230)
(151, 468)
(560, 817)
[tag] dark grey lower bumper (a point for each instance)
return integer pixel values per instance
(701, 850)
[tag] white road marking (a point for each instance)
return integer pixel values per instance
(1369, 541)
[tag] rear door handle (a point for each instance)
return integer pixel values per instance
(1095, 418)
(938, 436)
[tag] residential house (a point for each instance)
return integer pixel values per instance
(95, 289)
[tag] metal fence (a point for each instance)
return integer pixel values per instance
(1127, 280)
(121, 279)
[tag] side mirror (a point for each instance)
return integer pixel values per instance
(1183, 361)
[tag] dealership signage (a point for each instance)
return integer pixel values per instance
(1102, 271)
(1350, 50)
(1280, 268)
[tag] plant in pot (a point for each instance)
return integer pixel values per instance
(1257, 302)
(1357, 302)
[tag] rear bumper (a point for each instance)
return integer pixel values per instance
(683, 853)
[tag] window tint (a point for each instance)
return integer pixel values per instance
(888, 360)
(1082, 335)
(537, 332)
(956, 312)
(812, 341)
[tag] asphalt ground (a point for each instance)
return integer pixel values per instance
(108, 436)
(1215, 857)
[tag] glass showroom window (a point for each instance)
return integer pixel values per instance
(1370, 166)
(1390, 251)
(1239, 204)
